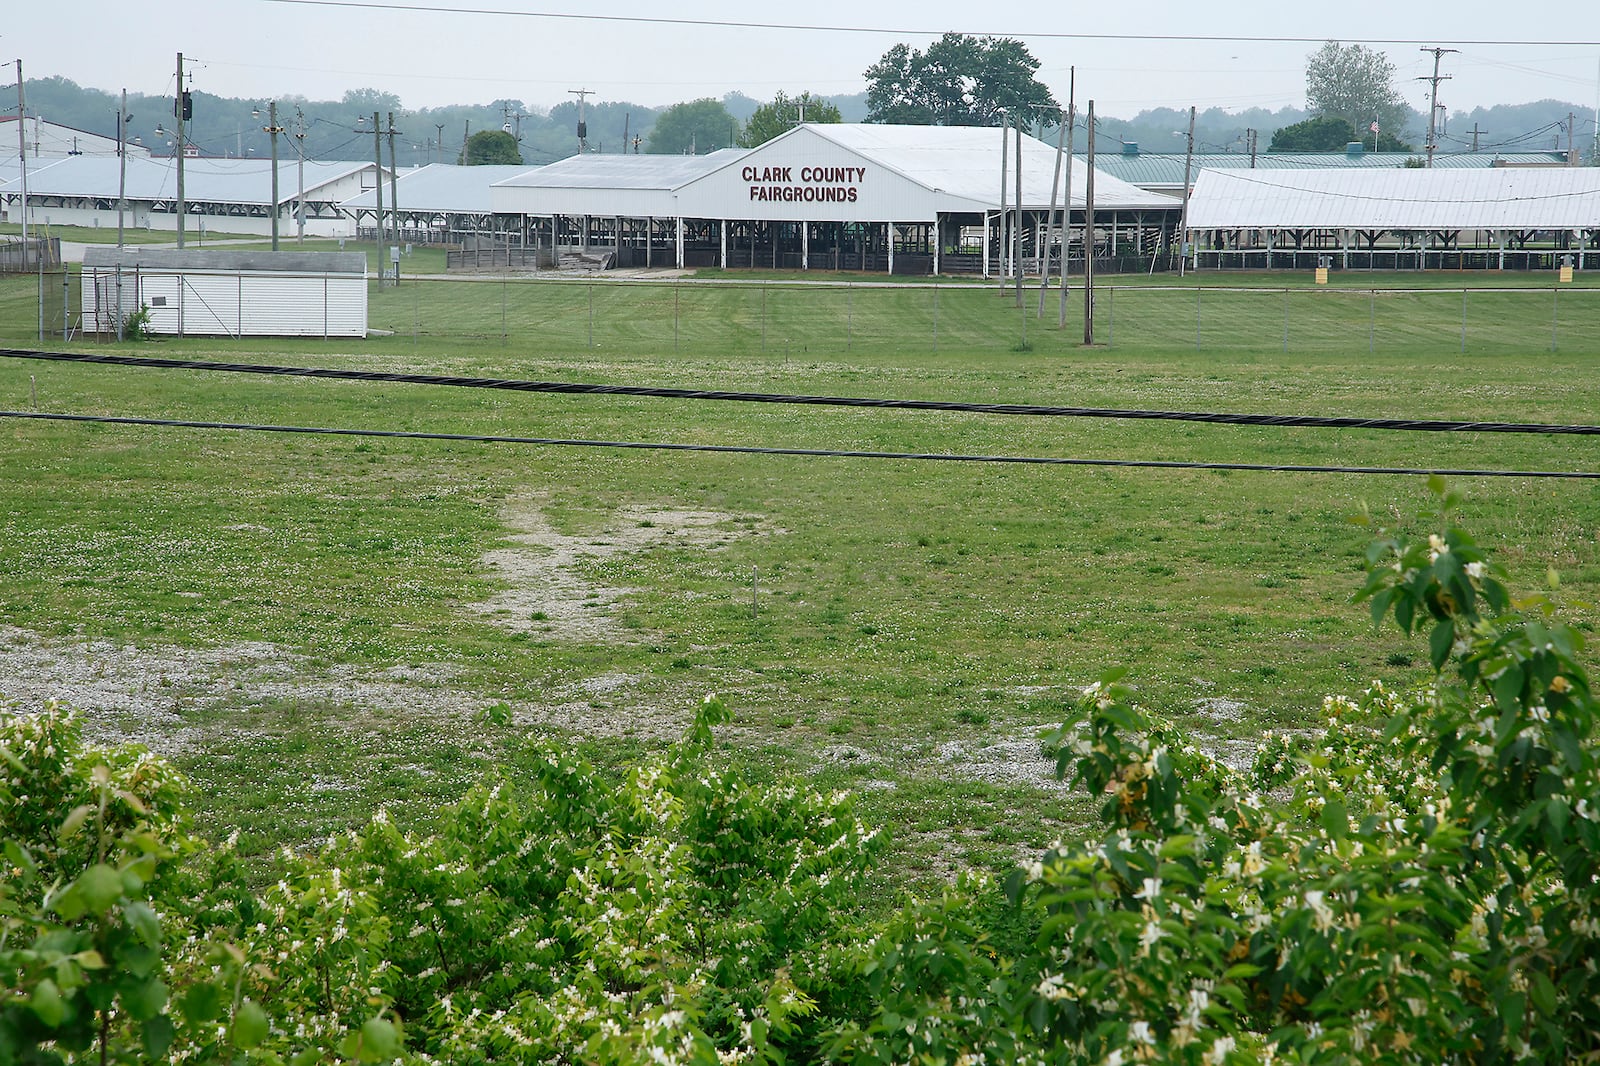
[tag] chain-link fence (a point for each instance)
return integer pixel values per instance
(797, 318)
(790, 319)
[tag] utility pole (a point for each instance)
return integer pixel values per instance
(439, 144)
(1572, 155)
(394, 193)
(583, 126)
(1433, 97)
(300, 151)
(1088, 235)
(22, 161)
(1051, 229)
(180, 104)
(22, 157)
(1005, 165)
(377, 161)
(1066, 196)
(274, 129)
(1250, 140)
(122, 167)
(1183, 220)
(1016, 234)
(1476, 133)
(466, 124)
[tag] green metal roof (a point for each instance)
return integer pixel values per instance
(1164, 170)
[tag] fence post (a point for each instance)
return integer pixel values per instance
(936, 317)
(1463, 321)
(1111, 316)
(676, 289)
(1555, 316)
(591, 314)
(1197, 318)
(1286, 320)
(1372, 317)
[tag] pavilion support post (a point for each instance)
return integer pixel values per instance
(888, 235)
(986, 244)
(805, 246)
(679, 243)
(722, 241)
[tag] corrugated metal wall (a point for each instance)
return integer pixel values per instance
(232, 304)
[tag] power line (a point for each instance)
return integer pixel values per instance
(916, 32)
(946, 406)
(817, 453)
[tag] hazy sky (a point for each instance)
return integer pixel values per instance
(447, 52)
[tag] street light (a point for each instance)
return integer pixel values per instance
(273, 128)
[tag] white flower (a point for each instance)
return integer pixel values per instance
(1220, 1049)
(1322, 914)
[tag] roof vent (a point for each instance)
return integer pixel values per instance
(1130, 147)
(1355, 148)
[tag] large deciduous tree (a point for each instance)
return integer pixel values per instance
(959, 80)
(1356, 84)
(783, 114)
(696, 127)
(488, 147)
(1330, 133)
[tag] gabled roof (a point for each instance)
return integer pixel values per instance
(445, 187)
(962, 163)
(234, 181)
(1508, 198)
(1162, 170)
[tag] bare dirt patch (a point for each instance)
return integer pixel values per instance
(148, 694)
(548, 590)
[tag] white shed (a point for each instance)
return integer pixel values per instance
(227, 293)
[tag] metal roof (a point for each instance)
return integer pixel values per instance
(234, 181)
(597, 171)
(225, 259)
(1164, 170)
(443, 187)
(962, 163)
(916, 173)
(1500, 198)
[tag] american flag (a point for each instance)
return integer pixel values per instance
(1373, 127)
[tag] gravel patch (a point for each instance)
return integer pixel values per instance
(544, 571)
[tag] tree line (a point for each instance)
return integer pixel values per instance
(959, 79)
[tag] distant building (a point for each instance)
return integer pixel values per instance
(220, 195)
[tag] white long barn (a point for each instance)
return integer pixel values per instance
(1496, 217)
(901, 199)
(220, 195)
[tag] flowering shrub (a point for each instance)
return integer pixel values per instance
(1422, 890)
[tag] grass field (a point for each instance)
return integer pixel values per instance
(316, 625)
